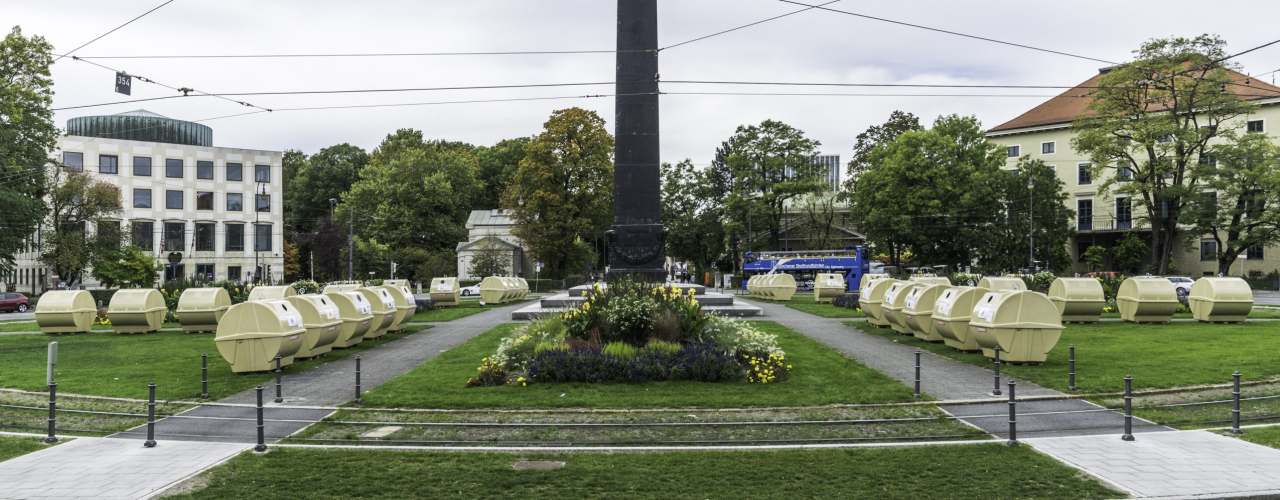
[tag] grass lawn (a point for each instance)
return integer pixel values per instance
(1157, 356)
(33, 327)
(465, 307)
(1266, 436)
(1254, 314)
(805, 303)
(16, 446)
(820, 376)
(989, 471)
(107, 364)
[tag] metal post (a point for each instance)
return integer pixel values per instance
(1071, 382)
(262, 439)
(151, 417)
(53, 416)
(917, 373)
(997, 389)
(279, 396)
(1128, 409)
(1235, 411)
(351, 244)
(357, 378)
(1013, 416)
(204, 376)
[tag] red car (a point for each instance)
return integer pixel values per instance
(14, 302)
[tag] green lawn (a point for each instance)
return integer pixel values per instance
(463, 309)
(806, 303)
(107, 364)
(1157, 356)
(1266, 436)
(16, 446)
(33, 327)
(820, 376)
(1255, 314)
(979, 471)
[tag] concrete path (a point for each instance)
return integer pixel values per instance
(228, 424)
(107, 469)
(1180, 463)
(1087, 422)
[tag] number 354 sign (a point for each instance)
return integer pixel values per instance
(124, 83)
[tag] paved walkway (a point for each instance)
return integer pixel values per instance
(107, 469)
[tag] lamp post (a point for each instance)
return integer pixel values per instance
(256, 210)
(1031, 220)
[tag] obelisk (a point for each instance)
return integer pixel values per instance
(637, 240)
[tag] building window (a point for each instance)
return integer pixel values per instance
(1082, 174)
(264, 203)
(1084, 215)
(142, 166)
(262, 173)
(174, 234)
(108, 164)
(1209, 160)
(173, 168)
(204, 170)
(143, 235)
(1254, 252)
(235, 172)
(204, 272)
(73, 161)
(1208, 249)
(204, 200)
(1126, 173)
(233, 273)
(1015, 151)
(1255, 126)
(262, 238)
(173, 199)
(235, 202)
(1124, 213)
(1166, 138)
(1048, 148)
(204, 237)
(235, 237)
(141, 198)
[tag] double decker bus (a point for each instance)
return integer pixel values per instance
(805, 265)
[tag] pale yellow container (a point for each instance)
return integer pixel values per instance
(918, 311)
(445, 292)
(405, 306)
(895, 299)
(929, 279)
(340, 287)
(868, 278)
(322, 321)
(265, 293)
(826, 287)
(252, 334)
(1025, 324)
(356, 314)
(494, 290)
(395, 283)
(384, 310)
(65, 311)
(1079, 300)
(782, 287)
(137, 311)
(200, 309)
(952, 313)
(1147, 300)
(1003, 283)
(764, 287)
(1220, 300)
(524, 287)
(872, 301)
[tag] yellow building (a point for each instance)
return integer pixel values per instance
(1045, 133)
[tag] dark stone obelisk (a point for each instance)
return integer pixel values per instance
(637, 240)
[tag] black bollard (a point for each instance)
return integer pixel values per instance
(279, 395)
(1235, 412)
(204, 376)
(53, 415)
(1128, 409)
(357, 378)
(262, 438)
(151, 417)
(997, 389)
(1013, 416)
(917, 374)
(1071, 382)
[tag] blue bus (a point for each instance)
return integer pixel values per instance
(805, 265)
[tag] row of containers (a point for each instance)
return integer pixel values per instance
(1025, 324)
(503, 289)
(782, 287)
(274, 321)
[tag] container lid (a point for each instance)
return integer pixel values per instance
(137, 300)
(1021, 309)
(1077, 289)
(1148, 289)
(316, 310)
(957, 302)
(204, 299)
(1222, 290)
(65, 301)
(251, 320)
(266, 293)
(1002, 283)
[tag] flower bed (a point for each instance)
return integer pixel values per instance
(634, 332)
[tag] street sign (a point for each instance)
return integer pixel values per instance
(124, 83)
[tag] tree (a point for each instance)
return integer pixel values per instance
(1241, 206)
(491, 259)
(27, 134)
(899, 122)
(1128, 253)
(818, 215)
(1151, 121)
(693, 212)
(1093, 256)
(324, 176)
(769, 165)
(327, 245)
(76, 200)
(292, 260)
(436, 266)
(498, 166)
(1005, 244)
(563, 191)
(126, 266)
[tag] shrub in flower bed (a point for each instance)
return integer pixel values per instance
(424, 305)
(847, 301)
(624, 363)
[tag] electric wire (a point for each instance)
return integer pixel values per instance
(184, 90)
(113, 30)
(747, 25)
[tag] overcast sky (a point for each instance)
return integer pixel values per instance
(812, 46)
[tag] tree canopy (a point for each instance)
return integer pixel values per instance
(27, 134)
(693, 211)
(769, 165)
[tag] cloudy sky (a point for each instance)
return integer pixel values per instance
(813, 46)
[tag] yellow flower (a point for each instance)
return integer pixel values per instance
(524, 384)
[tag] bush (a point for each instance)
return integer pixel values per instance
(965, 279)
(424, 305)
(1042, 281)
(650, 364)
(102, 298)
(491, 373)
(629, 319)
(764, 367)
(304, 287)
(847, 301)
(239, 293)
(377, 282)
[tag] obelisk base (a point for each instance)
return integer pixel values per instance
(638, 250)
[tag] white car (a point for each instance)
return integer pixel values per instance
(1182, 285)
(471, 291)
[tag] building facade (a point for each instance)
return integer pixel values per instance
(492, 229)
(209, 213)
(1045, 133)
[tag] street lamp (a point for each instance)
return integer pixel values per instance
(1031, 219)
(257, 210)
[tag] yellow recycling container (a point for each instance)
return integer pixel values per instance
(929, 279)
(1079, 300)
(782, 287)
(252, 334)
(872, 301)
(322, 321)
(1147, 300)
(494, 290)
(952, 313)
(517, 291)
(762, 286)
(340, 287)
(445, 292)
(895, 299)
(1025, 324)
(384, 311)
(868, 278)
(200, 309)
(524, 287)
(827, 287)
(405, 306)
(1220, 300)
(1002, 283)
(918, 311)
(65, 311)
(396, 283)
(356, 314)
(137, 311)
(265, 293)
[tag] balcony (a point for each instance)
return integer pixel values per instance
(1104, 224)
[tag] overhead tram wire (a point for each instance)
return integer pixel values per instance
(185, 90)
(747, 25)
(113, 30)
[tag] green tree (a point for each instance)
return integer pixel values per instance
(498, 166)
(77, 200)
(769, 164)
(491, 259)
(866, 142)
(1129, 252)
(1093, 256)
(1241, 206)
(1005, 244)
(693, 212)
(1150, 121)
(818, 216)
(126, 266)
(437, 265)
(322, 177)
(27, 134)
(563, 191)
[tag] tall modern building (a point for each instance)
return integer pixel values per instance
(209, 213)
(831, 165)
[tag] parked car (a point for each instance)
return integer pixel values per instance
(14, 302)
(1182, 284)
(471, 291)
